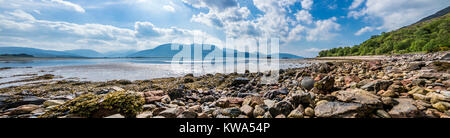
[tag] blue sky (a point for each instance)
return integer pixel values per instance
(304, 27)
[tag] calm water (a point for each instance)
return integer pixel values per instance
(126, 68)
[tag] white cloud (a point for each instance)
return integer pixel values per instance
(63, 35)
(76, 7)
(307, 4)
(218, 5)
(314, 50)
(363, 30)
(304, 16)
(356, 4)
(40, 4)
(169, 8)
(323, 30)
(398, 13)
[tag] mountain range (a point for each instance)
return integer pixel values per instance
(162, 51)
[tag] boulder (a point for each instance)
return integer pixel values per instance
(307, 83)
(258, 111)
(282, 107)
(377, 85)
(358, 96)
(24, 109)
(301, 99)
(239, 80)
(247, 110)
(231, 112)
(171, 112)
(253, 101)
(339, 110)
(404, 109)
(325, 85)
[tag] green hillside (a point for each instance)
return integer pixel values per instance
(427, 36)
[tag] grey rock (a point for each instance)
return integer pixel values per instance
(282, 107)
(339, 109)
(238, 81)
(307, 83)
(377, 85)
(404, 109)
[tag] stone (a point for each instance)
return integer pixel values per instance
(24, 109)
(339, 110)
(53, 102)
(196, 108)
(377, 85)
(115, 116)
(282, 107)
(269, 103)
(176, 93)
(253, 101)
(267, 115)
(235, 100)
(358, 96)
(153, 99)
(171, 112)
(238, 81)
(247, 110)
(232, 112)
(325, 85)
(146, 114)
(388, 101)
(418, 90)
(383, 114)
(416, 66)
(417, 96)
(389, 93)
(404, 109)
(441, 106)
(349, 79)
(208, 98)
(223, 102)
(297, 113)
(309, 111)
(436, 97)
(258, 111)
(24, 101)
(301, 99)
(188, 114)
(307, 83)
(418, 82)
(321, 102)
(397, 88)
(274, 93)
(280, 116)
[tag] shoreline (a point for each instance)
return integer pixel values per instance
(336, 87)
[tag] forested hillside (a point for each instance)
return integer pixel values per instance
(426, 36)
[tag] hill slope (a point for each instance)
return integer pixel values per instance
(36, 52)
(425, 36)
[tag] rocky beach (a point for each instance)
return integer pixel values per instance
(398, 86)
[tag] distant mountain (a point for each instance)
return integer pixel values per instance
(36, 52)
(120, 53)
(166, 51)
(289, 56)
(85, 53)
(437, 14)
(161, 51)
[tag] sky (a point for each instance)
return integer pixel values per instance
(303, 27)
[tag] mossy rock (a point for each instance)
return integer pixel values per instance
(96, 106)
